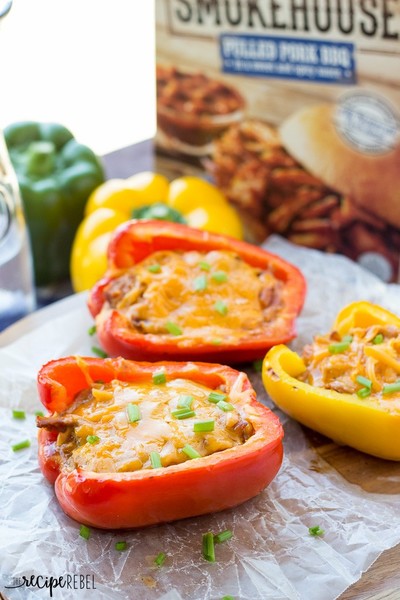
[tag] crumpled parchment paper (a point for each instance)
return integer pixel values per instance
(271, 555)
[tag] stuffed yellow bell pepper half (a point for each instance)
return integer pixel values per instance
(189, 200)
(346, 385)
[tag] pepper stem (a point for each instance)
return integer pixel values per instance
(41, 158)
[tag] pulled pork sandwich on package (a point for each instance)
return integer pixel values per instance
(291, 108)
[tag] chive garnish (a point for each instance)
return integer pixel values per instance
(227, 598)
(183, 413)
(84, 532)
(201, 426)
(99, 352)
(219, 276)
(120, 546)
(200, 283)
(216, 397)
(364, 392)
(190, 451)
(155, 460)
(225, 406)
(364, 381)
(39, 413)
(154, 268)
(160, 559)
(159, 377)
(185, 402)
(339, 347)
(221, 307)
(216, 342)
(92, 330)
(18, 414)
(224, 536)
(378, 339)
(173, 328)
(21, 445)
(316, 531)
(204, 266)
(208, 547)
(134, 414)
(390, 388)
(92, 439)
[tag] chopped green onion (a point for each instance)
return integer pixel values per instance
(154, 268)
(85, 532)
(364, 381)
(204, 266)
(183, 413)
(347, 338)
(133, 413)
(155, 460)
(378, 339)
(190, 451)
(173, 328)
(227, 598)
(185, 402)
(92, 330)
(160, 559)
(315, 531)
(21, 445)
(92, 439)
(390, 388)
(159, 377)
(221, 307)
(18, 414)
(224, 536)
(219, 276)
(216, 342)
(215, 397)
(208, 547)
(201, 426)
(364, 392)
(225, 406)
(257, 365)
(200, 283)
(339, 347)
(121, 546)
(99, 352)
(39, 413)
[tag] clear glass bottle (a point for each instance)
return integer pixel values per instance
(17, 291)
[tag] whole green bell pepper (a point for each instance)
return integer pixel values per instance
(56, 175)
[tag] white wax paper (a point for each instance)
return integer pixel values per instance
(271, 555)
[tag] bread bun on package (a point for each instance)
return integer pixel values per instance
(372, 181)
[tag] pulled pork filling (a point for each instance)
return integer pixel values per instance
(198, 296)
(122, 427)
(365, 362)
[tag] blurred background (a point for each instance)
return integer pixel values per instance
(88, 64)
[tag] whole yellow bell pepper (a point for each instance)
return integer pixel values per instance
(189, 200)
(363, 423)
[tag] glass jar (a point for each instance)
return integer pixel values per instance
(17, 292)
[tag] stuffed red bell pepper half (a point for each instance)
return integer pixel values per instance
(173, 292)
(131, 444)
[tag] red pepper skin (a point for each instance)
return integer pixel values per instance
(150, 496)
(136, 240)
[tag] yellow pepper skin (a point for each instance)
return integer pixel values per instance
(345, 418)
(200, 203)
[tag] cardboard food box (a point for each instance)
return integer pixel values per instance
(292, 108)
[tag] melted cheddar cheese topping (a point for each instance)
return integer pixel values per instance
(365, 362)
(196, 296)
(101, 432)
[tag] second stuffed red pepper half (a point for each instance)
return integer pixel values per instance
(173, 292)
